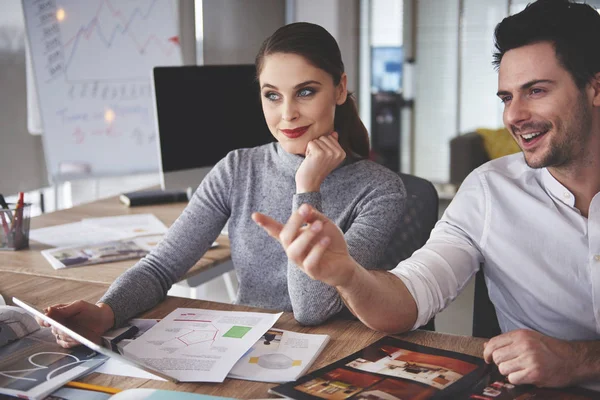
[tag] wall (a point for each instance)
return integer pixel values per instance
(340, 18)
(235, 29)
(22, 166)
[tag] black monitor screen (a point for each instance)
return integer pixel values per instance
(206, 111)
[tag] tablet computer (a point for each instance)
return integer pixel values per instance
(92, 342)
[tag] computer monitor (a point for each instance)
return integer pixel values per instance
(202, 113)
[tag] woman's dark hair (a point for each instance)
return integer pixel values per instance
(320, 49)
(573, 29)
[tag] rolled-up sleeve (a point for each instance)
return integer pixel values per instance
(438, 272)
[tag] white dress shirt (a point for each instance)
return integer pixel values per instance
(540, 256)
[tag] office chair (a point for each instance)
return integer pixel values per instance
(485, 321)
(421, 214)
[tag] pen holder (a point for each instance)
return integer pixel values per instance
(14, 227)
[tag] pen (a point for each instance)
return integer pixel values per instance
(4, 205)
(4, 224)
(17, 222)
(95, 388)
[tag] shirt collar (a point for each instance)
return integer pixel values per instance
(556, 189)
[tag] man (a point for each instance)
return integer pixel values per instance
(531, 219)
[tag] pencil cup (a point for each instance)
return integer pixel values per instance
(14, 227)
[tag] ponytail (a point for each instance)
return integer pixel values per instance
(353, 136)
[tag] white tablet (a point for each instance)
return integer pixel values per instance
(91, 342)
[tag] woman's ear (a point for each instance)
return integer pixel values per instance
(595, 86)
(342, 90)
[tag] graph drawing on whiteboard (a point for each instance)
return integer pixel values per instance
(92, 62)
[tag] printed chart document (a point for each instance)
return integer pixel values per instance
(279, 356)
(197, 345)
(117, 339)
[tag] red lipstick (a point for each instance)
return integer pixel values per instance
(295, 133)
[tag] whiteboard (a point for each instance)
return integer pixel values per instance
(92, 62)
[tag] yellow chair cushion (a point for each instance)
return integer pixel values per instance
(498, 142)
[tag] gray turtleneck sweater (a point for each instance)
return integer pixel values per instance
(363, 198)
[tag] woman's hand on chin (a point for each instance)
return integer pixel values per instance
(323, 155)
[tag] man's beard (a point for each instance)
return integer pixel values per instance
(564, 152)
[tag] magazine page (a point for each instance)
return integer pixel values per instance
(390, 369)
(197, 345)
(279, 356)
(495, 386)
(34, 366)
(125, 249)
(15, 323)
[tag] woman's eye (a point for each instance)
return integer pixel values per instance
(271, 96)
(305, 92)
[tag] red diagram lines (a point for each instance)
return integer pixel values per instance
(122, 27)
(196, 336)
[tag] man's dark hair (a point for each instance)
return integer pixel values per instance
(573, 29)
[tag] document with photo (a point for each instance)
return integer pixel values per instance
(124, 249)
(279, 356)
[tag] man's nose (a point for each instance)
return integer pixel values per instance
(516, 112)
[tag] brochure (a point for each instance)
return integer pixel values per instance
(392, 369)
(117, 250)
(198, 345)
(279, 356)
(32, 365)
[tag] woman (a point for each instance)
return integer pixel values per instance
(319, 159)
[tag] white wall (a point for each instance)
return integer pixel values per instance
(22, 166)
(436, 70)
(479, 106)
(386, 22)
(340, 18)
(455, 81)
(235, 29)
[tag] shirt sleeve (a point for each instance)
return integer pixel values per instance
(438, 272)
(147, 282)
(368, 234)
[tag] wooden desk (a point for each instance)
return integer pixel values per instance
(347, 336)
(31, 261)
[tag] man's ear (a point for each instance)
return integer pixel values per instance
(595, 89)
(342, 90)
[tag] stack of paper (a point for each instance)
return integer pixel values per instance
(100, 240)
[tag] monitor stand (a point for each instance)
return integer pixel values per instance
(184, 179)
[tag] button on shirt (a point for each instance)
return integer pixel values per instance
(540, 256)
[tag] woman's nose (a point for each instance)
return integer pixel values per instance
(289, 112)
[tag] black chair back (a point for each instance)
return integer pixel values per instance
(421, 214)
(485, 321)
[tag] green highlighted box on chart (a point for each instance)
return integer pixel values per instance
(237, 332)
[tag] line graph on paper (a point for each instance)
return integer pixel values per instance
(92, 61)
